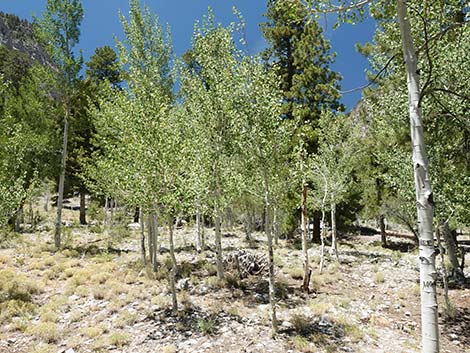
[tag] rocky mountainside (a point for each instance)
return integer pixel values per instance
(17, 34)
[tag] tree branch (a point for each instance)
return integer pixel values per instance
(374, 79)
(346, 7)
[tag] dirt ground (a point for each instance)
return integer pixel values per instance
(96, 296)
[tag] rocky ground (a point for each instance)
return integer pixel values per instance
(95, 296)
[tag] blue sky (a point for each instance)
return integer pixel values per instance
(101, 24)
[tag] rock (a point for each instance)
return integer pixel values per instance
(70, 350)
(133, 226)
(407, 313)
(365, 317)
(183, 284)
(286, 324)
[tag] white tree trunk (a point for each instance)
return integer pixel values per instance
(60, 198)
(267, 228)
(174, 267)
(322, 222)
(198, 225)
(275, 225)
(424, 199)
(307, 271)
(105, 212)
(142, 236)
(155, 248)
(218, 235)
(334, 244)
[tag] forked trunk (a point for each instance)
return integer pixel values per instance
(424, 196)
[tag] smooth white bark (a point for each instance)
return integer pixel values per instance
(268, 227)
(307, 270)
(424, 199)
(60, 198)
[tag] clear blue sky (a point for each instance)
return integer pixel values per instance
(101, 24)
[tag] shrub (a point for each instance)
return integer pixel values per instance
(46, 331)
(16, 286)
(206, 326)
(16, 308)
(92, 331)
(300, 323)
(119, 339)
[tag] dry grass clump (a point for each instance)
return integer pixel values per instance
(319, 307)
(126, 318)
(16, 291)
(76, 315)
(16, 286)
(302, 344)
(100, 277)
(300, 322)
(102, 292)
(379, 277)
(12, 309)
(5, 260)
(169, 349)
(46, 331)
(44, 348)
(115, 305)
(92, 331)
(119, 339)
(350, 327)
(295, 272)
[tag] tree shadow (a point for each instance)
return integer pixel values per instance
(401, 246)
(457, 327)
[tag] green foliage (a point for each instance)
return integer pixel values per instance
(389, 187)
(207, 326)
(27, 138)
(300, 54)
(59, 28)
(103, 65)
(339, 155)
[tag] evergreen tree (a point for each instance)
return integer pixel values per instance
(302, 57)
(103, 65)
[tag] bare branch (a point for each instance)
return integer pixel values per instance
(352, 6)
(374, 79)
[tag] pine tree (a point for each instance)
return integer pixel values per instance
(302, 57)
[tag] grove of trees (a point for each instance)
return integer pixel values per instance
(219, 136)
